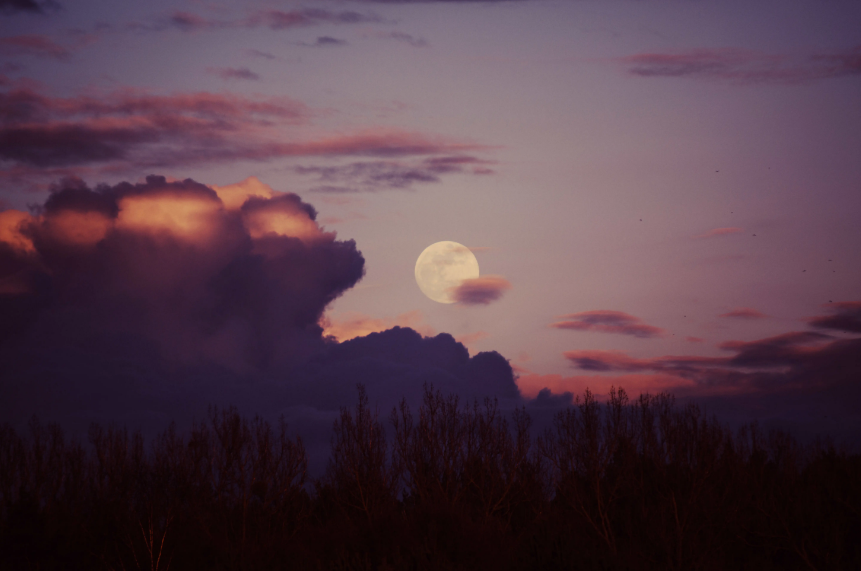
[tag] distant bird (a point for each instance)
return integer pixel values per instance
(829, 260)
(829, 301)
(641, 219)
(802, 271)
(717, 171)
(754, 234)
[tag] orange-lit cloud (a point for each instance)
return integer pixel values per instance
(11, 223)
(353, 324)
(233, 196)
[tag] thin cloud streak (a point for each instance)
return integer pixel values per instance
(32, 45)
(233, 73)
(745, 66)
(744, 313)
(126, 131)
(605, 321)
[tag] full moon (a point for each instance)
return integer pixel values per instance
(442, 267)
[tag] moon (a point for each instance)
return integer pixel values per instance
(442, 267)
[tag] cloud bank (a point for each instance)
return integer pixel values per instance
(142, 303)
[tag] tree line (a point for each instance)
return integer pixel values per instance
(627, 484)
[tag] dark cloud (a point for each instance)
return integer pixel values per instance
(324, 41)
(129, 130)
(481, 290)
(744, 66)
(145, 303)
(272, 19)
(32, 45)
(438, 1)
(846, 317)
(755, 364)
(605, 321)
(371, 176)
(13, 6)
(396, 363)
(280, 20)
(744, 313)
(233, 73)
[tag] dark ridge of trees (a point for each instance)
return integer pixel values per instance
(642, 484)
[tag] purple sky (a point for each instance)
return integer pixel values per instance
(660, 195)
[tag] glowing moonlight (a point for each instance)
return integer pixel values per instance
(442, 267)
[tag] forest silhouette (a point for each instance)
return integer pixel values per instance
(640, 483)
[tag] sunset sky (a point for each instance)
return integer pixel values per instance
(661, 195)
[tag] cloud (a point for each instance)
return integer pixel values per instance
(324, 41)
(846, 317)
(404, 38)
(32, 45)
(233, 73)
(744, 313)
(481, 290)
(437, 1)
(605, 321)
(145, 303)
(745, 66)
(720, 232)
(371, 176)
(13, 6)
(272, 19)
(354, 324)
(127, 131)
(261, 54)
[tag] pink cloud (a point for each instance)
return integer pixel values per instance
(129, 130)
(744, 313)
(481, 291)
(33, 45)
(353, 324)
(605, 321)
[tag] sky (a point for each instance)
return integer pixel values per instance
(223, 202)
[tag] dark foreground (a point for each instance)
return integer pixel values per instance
(627, 485)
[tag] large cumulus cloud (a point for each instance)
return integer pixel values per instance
(144, 303)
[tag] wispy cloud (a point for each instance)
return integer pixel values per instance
(326, 41)
(131, 129)
(416, 42)
(370, 176)
(272, 19)
(745, 66)
(605, 321)
(13, 6)
(233, 73)
(846, 316)
(744, 313)
(32, 45)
